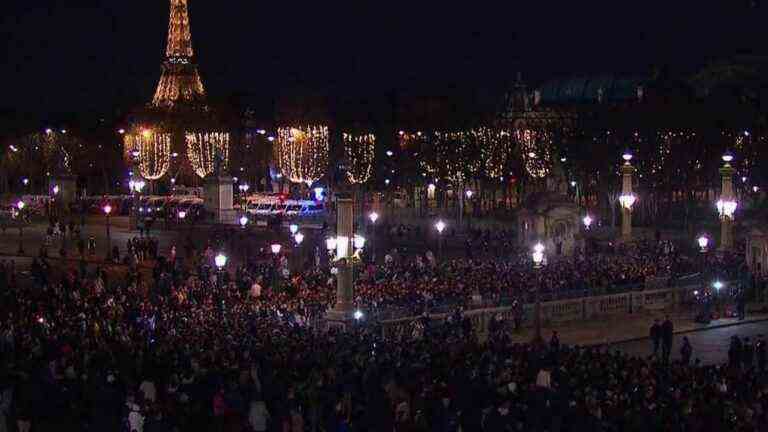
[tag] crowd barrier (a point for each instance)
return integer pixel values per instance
(564, 311)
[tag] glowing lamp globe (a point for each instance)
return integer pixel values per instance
(469, 193)
(359, 242)
(538, 254)
(299, 237)
(276, 248)
(627, 201)
(107, 209)
(587, 221)
(703, 242)
(727, 157)
(627, 156)
(220, 260)
(726, 208)
(358, 315)
(440, 226)
(182, 214)
(342, 246)
(373, 217)
(717, 285)
(56, 189)
(20, 205)
(293, 228)
(330, 243)
(243, 221)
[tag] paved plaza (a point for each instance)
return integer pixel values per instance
(711, 346)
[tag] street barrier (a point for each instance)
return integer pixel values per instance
(564, 311)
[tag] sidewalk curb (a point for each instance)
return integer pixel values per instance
(716, 326)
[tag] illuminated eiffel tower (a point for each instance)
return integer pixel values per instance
(180, 84)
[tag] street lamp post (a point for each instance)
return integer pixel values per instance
(469, 193)
(20, 205)
(373, 216)
(440, 226)
(299, 239)
(726, 205)
(275, 248)
(703, 242)
(136, 187)
(220, 260)
(627, 198)
(107, 210)
(538, 261)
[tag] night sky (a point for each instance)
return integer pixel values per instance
(102, 55)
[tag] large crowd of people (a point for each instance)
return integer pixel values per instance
(180, 346)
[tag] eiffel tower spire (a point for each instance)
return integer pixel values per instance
(180, 83)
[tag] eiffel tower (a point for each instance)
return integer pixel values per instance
(180, 84)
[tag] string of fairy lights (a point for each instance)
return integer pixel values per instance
(359, 153)
(489, 151)
(203, 150)
(151, 151)
(301, 153)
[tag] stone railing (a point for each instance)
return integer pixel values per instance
(564, 311)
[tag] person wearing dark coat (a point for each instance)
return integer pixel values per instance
(655, 335)
(667, 334)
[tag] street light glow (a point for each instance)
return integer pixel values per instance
(587, 221)
(107, 209)
(373, 216)
(359, 242)
(717, 285)
(440, 226)
(299, 237)
(243, 221)
(703, 241)
(330, 243)
(221, 260)
(276, 248)
(538, 254)
(293, 228)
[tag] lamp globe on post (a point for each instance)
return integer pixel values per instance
(243, 221)
(440, 227)
(275, 248)
(703, 242)
(107, 210)
(373, 216)
(20, 206)
(587, 220)
(298, 238)
(221, 261)
(537, 255)
(293, 228)
(330, 246)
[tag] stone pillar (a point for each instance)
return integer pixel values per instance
(726, 194)
(627, 170)
(343, 309)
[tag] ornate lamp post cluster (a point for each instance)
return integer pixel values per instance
(726, 205)
(627, 198)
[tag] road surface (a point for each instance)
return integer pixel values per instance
(711, 346)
